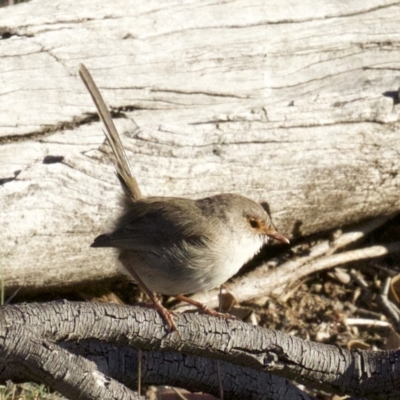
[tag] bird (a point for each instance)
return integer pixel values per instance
(176, 246)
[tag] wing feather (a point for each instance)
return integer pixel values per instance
(156, 221)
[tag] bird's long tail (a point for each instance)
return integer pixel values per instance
(124, 172)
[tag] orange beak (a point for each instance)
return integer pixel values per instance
(273, 234)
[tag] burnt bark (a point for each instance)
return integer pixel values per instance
(107, 334)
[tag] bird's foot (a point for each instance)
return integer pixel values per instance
(166, 315)
(205, 309)
(209, 311)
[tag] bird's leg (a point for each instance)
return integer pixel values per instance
(203, 308)
(166, 315)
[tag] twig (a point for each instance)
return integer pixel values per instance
(368, 322)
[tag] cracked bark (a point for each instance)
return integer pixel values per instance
(107, 334)
(28, 357)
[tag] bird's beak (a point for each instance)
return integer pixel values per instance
(273, 234)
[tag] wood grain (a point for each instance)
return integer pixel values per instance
(295, 106)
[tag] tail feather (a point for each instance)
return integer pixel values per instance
(125, 176)
(102, 241)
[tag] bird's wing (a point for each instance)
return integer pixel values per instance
(157, 221)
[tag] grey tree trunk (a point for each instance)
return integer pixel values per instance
(291, 105)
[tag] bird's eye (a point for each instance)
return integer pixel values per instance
(253, 223)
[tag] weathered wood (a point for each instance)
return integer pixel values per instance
(283, 104)
(370, 374)
(33, 358)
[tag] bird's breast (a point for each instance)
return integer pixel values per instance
(190, 269)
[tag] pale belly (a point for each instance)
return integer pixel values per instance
(198, 271)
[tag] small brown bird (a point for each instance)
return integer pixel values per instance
(173, 245)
